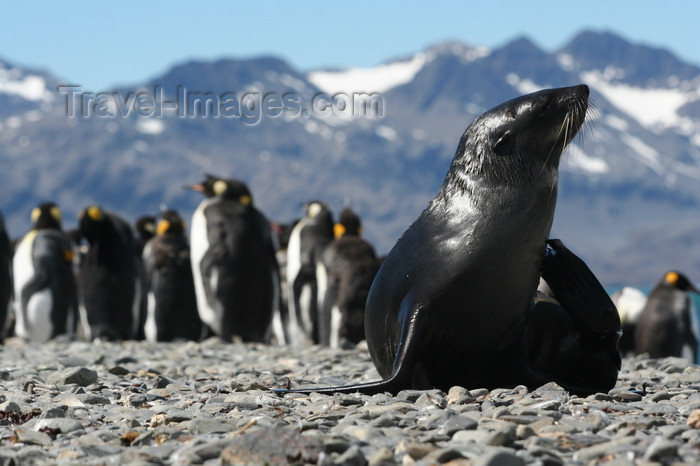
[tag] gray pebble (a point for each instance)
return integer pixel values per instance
(80, 376)
(64, 425)
(30, 437)
(353, 456)
(660, 449)
(499, 458)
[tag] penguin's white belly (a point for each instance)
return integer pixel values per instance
(34, 322)
(199, 245)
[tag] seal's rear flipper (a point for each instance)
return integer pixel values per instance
(580, 293)
(573, 337)
(550, 362)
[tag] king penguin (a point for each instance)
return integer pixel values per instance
(5, 276)
(345, 276)
(172, 305)
(45, 294)
(668, 324)
(308, 240)
(233, 262)
(111, 279)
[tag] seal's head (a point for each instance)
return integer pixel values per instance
(530, 131)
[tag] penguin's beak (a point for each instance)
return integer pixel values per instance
(692, 289)
(195, 187)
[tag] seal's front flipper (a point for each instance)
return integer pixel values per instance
(404, 373)
(572, 334)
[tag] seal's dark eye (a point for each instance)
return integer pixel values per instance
(505, 144)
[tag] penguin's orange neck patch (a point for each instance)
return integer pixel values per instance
(672, 278)
(163, 226)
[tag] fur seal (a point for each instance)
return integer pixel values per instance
(451, 303)
(668, 325)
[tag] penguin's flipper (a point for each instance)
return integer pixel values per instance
(324, 315)
(689, 335)
(207, 266)
(327, 296)
(39, 281)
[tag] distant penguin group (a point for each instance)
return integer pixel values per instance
(112, 280)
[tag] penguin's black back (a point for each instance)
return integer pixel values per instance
(241, 248)
(315, 236)
(351, 264)
(167, 260)
(108, 274)
(5, 276)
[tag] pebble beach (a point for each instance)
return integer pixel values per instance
(78, 403)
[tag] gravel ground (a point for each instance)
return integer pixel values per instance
(72, 402)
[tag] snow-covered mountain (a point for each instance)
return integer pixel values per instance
(629, 189)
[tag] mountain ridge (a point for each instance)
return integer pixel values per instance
(627, 178)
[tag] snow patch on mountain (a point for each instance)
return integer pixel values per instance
(577, 160)
(152, 126)
(524, 86)
(650, 107)
(28, 87)
(387, 133)
(377, 79)
(644, 153)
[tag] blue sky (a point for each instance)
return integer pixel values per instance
(100, 44)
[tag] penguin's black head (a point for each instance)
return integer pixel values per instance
(225, 188)
(91, 221)
(679, 281)
(46, 216)
(234, 190)
(171, 223)
(146, 227)
(315, 208)
(348, 224)
(206, 187)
